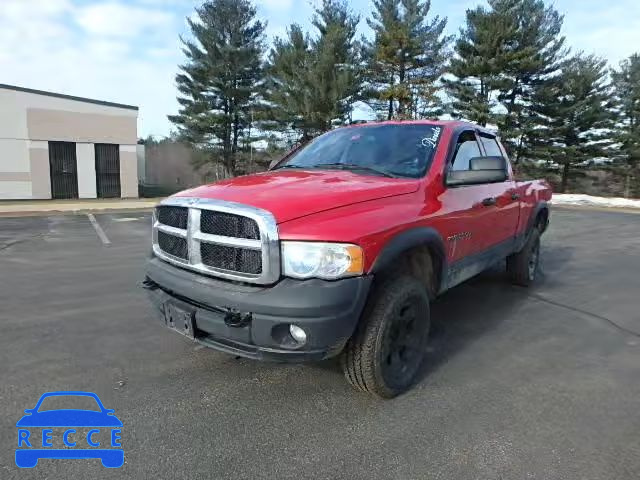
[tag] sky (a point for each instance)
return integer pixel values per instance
(128, 51)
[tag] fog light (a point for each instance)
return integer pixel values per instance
(298, 334)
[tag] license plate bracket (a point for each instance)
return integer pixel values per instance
(180, 319)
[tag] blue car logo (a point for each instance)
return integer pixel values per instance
(84, 433)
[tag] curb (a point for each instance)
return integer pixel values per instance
(83, 211)
(595, 208)
(98, 211)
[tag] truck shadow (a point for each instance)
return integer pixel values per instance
(462, 315)
(465, 313)
(475, 308)
(480, 305)
(554, 261)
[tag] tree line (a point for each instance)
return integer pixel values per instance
(508, 68)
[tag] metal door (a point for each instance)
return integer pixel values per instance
(64, 170)
(505, 212)
(107, 170)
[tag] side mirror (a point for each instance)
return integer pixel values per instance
(481, 170)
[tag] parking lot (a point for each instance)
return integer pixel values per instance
(539, 384)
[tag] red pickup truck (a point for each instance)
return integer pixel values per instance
(339, 248)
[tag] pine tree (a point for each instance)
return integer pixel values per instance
(504, 52)
(574, 116)
(313, 83)
(220, 82)
(481, 51)
(406, 57)
(290, 83)
(626, 83)
(536, 54)
(336, 51)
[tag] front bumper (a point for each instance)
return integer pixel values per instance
(328, 311)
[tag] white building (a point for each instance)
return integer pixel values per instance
(59, 146)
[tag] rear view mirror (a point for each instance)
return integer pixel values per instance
(482, 170)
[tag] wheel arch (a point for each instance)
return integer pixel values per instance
(539, 214)
(407, 244)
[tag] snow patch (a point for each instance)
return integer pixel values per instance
(579, 199)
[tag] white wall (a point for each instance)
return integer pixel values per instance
(15, 144)
(85, 155)
(15, 190)
(14, 155)
(13, 116)
(14, 105)
(128, 171)
(15, 169)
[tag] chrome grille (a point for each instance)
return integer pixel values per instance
(228, 225)
(174, 246)
(223, 239)
(173, 216)
(231, 258)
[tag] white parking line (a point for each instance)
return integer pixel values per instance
(127, 219)
(98, 229)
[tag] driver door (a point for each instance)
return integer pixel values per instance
(466, 216)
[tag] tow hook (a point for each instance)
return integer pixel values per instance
(148, 284)
(235, 318)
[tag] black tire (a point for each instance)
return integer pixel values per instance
(522, 267)
(386, 351)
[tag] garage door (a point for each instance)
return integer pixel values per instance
(63, 169)
(107, 170)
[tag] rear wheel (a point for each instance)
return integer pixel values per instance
(522, 267)
(385, 353)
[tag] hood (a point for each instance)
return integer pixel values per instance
(290, 194)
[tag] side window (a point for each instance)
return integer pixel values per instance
(491, 147)
(466, 148)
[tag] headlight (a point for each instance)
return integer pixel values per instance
(321, 260)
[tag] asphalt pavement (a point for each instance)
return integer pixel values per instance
(540, 383)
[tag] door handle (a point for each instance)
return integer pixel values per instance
(515, 196)
(487, 202)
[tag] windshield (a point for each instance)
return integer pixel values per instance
(396, 150)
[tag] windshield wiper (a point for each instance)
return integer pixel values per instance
(353, 166)
(289, 166)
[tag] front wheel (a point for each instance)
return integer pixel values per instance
(522, 267)
(385, 353)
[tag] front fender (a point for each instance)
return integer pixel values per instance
(407, 240)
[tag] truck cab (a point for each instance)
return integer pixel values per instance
(340, 247)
